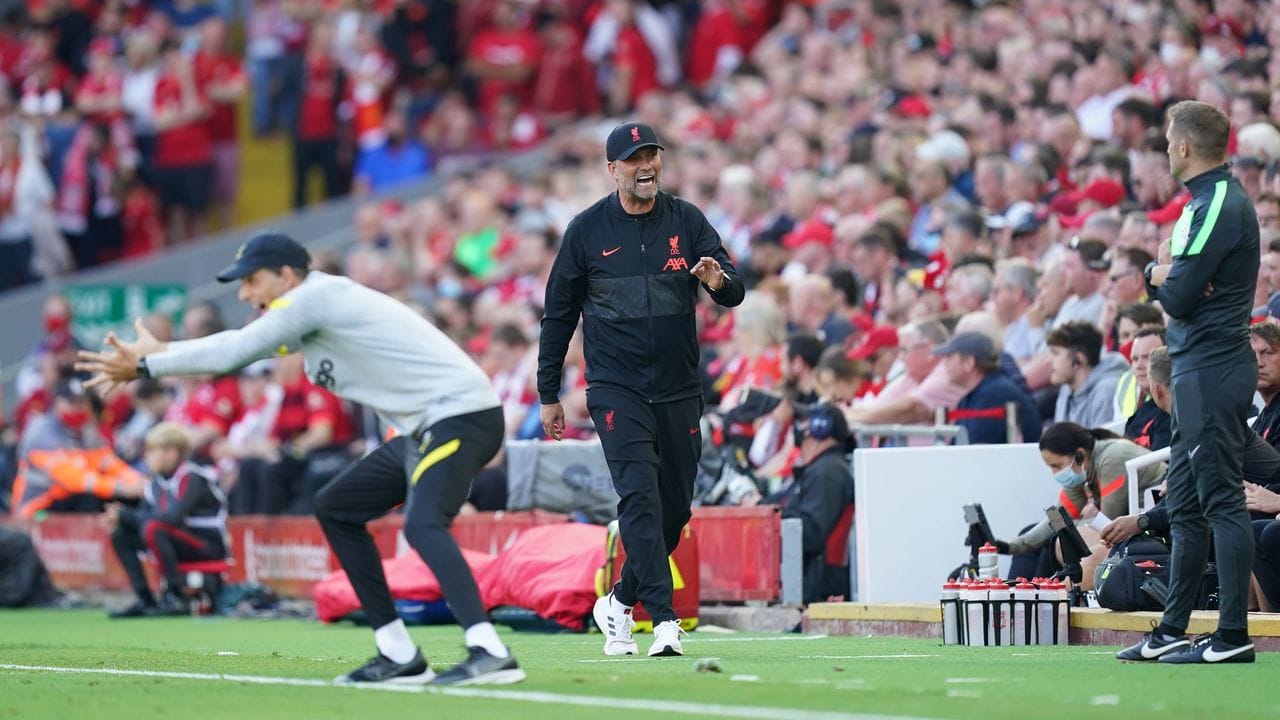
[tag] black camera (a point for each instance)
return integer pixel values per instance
(979, 529)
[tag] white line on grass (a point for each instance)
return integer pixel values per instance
(702, 639)
(544, 698)
(863, 657)
(781, 638)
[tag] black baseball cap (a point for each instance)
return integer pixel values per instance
(974, 344)
(266, 249)
(628, 138)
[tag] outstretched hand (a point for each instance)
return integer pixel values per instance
(552, 417)
(708, 271)
(117, 363)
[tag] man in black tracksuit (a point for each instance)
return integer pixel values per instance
(1205, 281)
(630, 266)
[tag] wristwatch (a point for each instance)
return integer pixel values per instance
(142, 370)
(1144, 522)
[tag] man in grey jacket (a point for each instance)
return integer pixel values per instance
(368, 348)
(1087, 376)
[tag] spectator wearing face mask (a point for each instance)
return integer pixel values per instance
(65, 463)
(1089, 466)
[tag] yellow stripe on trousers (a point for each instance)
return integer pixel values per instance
(434, 457)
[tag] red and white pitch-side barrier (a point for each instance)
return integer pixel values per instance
(740, 549)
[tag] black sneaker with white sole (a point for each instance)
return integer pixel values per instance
(382, 669)
(1152, 647)
(482, 668)
(1212, 649)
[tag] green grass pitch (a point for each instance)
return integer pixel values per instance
(174, 668)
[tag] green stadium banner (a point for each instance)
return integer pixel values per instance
(99, 309)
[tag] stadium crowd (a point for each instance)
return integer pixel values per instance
(890, 178)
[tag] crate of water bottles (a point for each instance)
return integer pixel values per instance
(991, 611)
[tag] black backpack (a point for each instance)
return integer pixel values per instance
(1134, 576)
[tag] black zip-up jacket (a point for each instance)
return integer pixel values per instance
(1214, 242)
(628, 277)
(818, 496)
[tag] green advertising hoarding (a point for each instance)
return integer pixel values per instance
(99, 309)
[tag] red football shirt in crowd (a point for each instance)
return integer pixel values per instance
(633, 54)
(210, 69)
(715, 30)
(317, 119)
(185, 145)
(95, 86)
(505, 49)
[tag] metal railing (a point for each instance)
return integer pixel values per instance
(899, 434)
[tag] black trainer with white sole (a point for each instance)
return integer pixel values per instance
(482, 668)
(1212, 649)
(1152, 647)
(382, 669)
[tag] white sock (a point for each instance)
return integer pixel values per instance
(394, 642)
(485, 635)
(617, 604)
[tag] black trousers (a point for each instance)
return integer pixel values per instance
(1266, 560)
(169, 544)
(431, 475)
(1210, 407)
(653, 451)
(308, 154)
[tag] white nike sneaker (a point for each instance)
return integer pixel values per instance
(614, 620)
(666, 639)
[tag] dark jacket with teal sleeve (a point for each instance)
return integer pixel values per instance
(627, 276)
(1215, 242)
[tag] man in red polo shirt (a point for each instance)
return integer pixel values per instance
(635, 71)
(315, 142)
(184, 151)
(504, 57)
(221, 79)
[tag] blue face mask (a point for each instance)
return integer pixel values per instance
(1069, 477)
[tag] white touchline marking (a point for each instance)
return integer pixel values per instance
(1105, 700)
(614, 660)
(253, 679)
(1048, 654)
(972, 680)
(545, 698)
(958, 693)
(783, 638)
(862, 656)
(699, 640)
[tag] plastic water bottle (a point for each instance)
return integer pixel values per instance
(974, 599)
(1024, 609)
(999, 617)
(1063, 612)
(988, 561)
(1046, 612)
(951, 615)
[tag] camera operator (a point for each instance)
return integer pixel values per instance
(819, 494)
